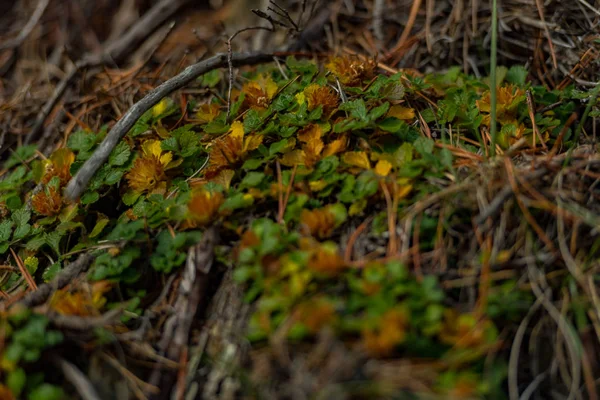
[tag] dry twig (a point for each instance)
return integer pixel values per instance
(79, 182)
(64, 277)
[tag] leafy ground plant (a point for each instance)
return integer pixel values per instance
(360, 212)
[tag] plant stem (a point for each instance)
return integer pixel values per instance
(493, 62)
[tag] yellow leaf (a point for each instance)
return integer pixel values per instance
(357, 207)
(237, 130)
(151, 148)
(383, 167)
(402, 113)
(336, 146)
(311, 135)
(300, 98)
(403, 190)
(160, 108)
(294, 157)
(166, 158)
(161, 131)
(173, 164)
(252, 142)
(316, 186)
(59, 165)
(207, 112)
(357, 159)
(270, 87)
(224, 178)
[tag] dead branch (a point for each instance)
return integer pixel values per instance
(78, 183)
(77, 323)
(190, 291)
(64, 277)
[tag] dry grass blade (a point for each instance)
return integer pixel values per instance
(26, 275)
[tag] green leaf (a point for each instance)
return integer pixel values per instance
(215, 127)
(349, 124)
(15, 381)
(392, 125)
(81, 141)
(21, 216)
(357, 109)
(51, 272)
(52, 239)
(113, 177)
(90, 197)
(5, 230)
(379, 111)
(279, 146)
(21, 231)
(189, 143)
(47, 391)
(404, 154)
(316, 114)
(252, 179)
(20, 154)
(282, 102)
(126, 231)
(140, 127)
(130, 197)
(14, 202)
(238, 200)
(251, 121)
(170, 144)
(211, 79)
(69, 226)
(517, 74)
(253, 163)
(36, 242)
(424, 146)
(303, 67)
(100, 224)
(120, 154)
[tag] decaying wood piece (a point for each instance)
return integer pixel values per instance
(191, 290)
(222, 342)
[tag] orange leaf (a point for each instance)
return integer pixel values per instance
(335, 146)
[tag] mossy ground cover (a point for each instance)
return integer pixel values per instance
(350, 204)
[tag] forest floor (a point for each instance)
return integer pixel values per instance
(305, 201)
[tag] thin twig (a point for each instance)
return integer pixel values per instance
(82, 385)
(78, 183)
(77, 323)
(493, 80)
(230, 54)
(24, 271)
(64, 277)
(378, 9)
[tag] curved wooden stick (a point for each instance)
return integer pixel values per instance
(78, 183)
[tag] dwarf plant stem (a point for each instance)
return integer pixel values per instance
(493, 62)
